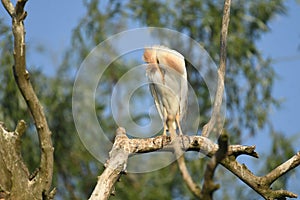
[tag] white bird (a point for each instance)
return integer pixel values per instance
(166, 72)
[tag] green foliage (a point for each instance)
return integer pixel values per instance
(8, 86)
(13, 106)
(280, 151)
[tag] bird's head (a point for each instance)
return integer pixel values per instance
(150, 55)
(165, 57)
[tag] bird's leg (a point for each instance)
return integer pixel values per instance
(177, 119)
(175, 142)
(165, 116)
(165, 129)
(170, 122)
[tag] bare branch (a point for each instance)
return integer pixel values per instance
(262, 185)
(209, 186)
(124, 147)
(114, 166)
(44, 176)
(214, 121)
(282, 169)
(193, 187)
(179, 153)
(8, 6)
(237, 150)
(20, 14)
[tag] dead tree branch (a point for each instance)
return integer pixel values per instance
(209, 186)
(282, 169)
(42, 181)
(115, 166)
(214, 122)
(124, 147)
(12, 167)
(179, 153)
(262, 185)
(193, 187)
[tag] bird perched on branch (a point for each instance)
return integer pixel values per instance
(168, 85)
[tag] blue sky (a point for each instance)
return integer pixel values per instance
(50, 23)
(283, 45)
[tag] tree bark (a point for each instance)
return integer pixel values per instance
(124, 147)
(18, 184)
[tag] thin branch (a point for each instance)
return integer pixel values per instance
(44, 176)
(209, 187)
(179, 153)
(193, 187)
(8, 6)
(282, 169)
(214, 121)
(262, 185)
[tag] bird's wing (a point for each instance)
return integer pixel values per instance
(183, 97)
(174, 63)
(157, 102)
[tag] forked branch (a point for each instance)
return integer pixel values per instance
(262, 185)
(209, 187)
(214, 123)
(44, 176)
(124, 147)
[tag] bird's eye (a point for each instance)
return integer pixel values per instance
(157, 61)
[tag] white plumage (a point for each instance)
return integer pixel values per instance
(166, 72)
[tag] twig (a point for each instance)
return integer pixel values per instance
(214, 122)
